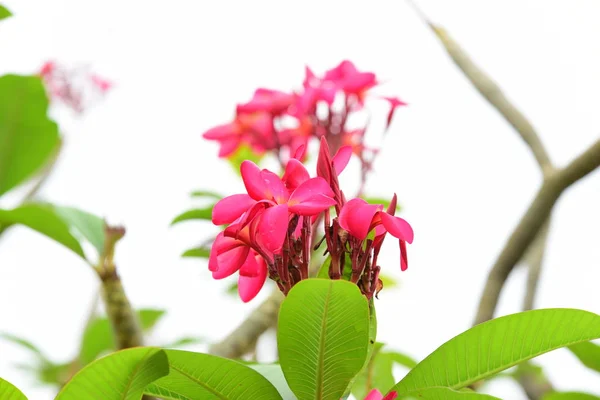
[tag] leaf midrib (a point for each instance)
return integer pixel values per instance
(199, 382)
(322, 337)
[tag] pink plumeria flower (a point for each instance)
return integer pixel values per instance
(358, 218)
(255, 129)
(348, 78)
(101, 83)
(376, 395)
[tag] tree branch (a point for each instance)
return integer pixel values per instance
(534, 257)
(530, 224)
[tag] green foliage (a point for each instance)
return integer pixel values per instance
(274, 374)
(27, 137)
(588, 353)
(207, 193)
(201, 376)
(197, 213)
(496, 345)
(9, 392)
(243, 153)
(200, 252)
(44, 219)
(98, 336)
(378, 373)
(444, 393)
(119, 376)
(570, 396)
(65, 225)
(4, 12)
(323, 335)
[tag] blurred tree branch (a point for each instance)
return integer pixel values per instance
(528, 241)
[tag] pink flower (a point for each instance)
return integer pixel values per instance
(376, 395)
(358, 218)
(394, 103)
(255, 129)
(274, 102)
(102, 84)
(348, 78)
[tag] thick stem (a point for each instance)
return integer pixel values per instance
(123, 318)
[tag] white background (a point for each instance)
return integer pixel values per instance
(462, 175)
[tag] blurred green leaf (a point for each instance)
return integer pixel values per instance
(388, 281)
(119, 376)
(184, 341)
(27, 136)
(24, 343)
(243, 153)
(322, 337)
(570, 396)
(200, 252)
(207, 193)
(507, 341)
(588, 353)
(89, 226)
(438, 393)
(4, 12)
(9, 392)
(197, 213)
(202, 376)
(44, 219)
(98, 336)
(232, 289)
(401, 359)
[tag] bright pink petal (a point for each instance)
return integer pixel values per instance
(221, 132)
(255, 185)
(391, 395)
(228, 147)
(312, 197)
(231, 208)
(248, 287)
(356, 216)
(250, 268)
(295, 174)
(230, 261)
(324, 161)
(299, 152)
(403, 256)
(276, 190)
(374, 395)
(341, 158)
(397, 227)
(272, 228)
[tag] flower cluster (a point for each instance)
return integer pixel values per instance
(77, 88)
(271, 228)
(279, 122)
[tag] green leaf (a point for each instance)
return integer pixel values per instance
(570, 396)
(43, 219)
(184, 341)
(324, 270)
(201, 376)
(98, 336)
(588, 353)
(323, 337)
(200, 252)
(496, 345)
(24, 343)
(207, 193)
(443, 393)
(274, 374)
(401, 359)
(120, 376)
(9, 392)
(388, 281)
(4, 12)
(88, 226)
(243, 153)
(197, 213)
(27, 136)
(381, 200)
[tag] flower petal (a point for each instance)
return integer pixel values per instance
(341, 158)
(255, 184)
(397, 227)
(230, 261)
(275, 187)
(272, 228)
(403, 256)
(312, 197)
(231, 208)
(295, 174)
(356, 216)
(374, 395)
(221, 132)
(249, 287)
